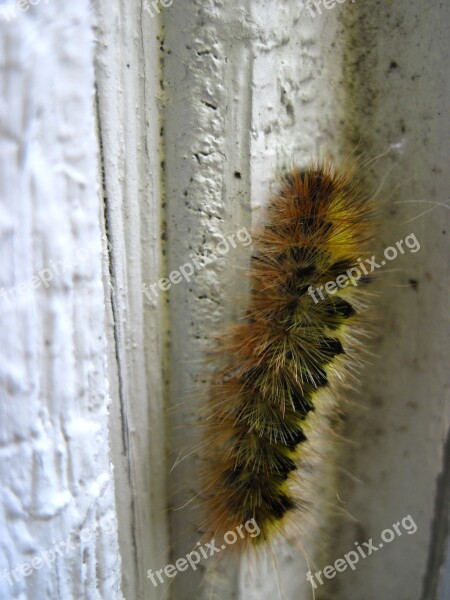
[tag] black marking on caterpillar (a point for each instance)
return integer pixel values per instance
(278, 367)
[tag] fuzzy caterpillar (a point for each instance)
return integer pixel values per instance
(281, 366)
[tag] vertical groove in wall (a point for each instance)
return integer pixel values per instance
(207, 74)
(116, 364)
(109, 275)
(154, 266)
(127, 67)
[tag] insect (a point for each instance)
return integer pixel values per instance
(280, 368)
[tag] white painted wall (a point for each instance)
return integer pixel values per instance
(55, 469)
(183, 119)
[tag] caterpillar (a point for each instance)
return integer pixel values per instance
(280, 369)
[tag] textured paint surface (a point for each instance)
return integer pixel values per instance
(127, 70)
(56, 476)
(237, 91)
(207, 69)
